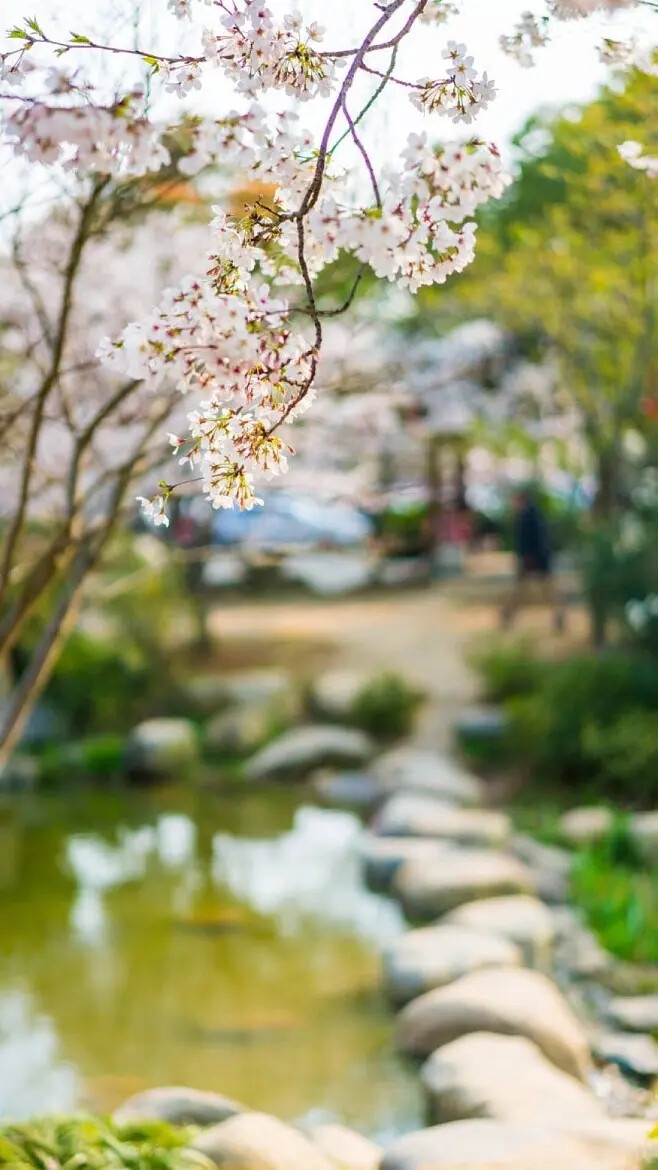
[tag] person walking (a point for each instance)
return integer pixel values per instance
(534, 561)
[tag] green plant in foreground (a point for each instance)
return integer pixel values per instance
(88, 1143)
(386, 707)
(619, 900)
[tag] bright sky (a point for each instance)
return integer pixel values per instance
(567, 70)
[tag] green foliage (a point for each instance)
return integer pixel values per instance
(582, 708)
(619, 898)
(564, 264)
(625, 753)
(92, 757)
(106, 681)
(508, 669)
(87, 1143)
(387, 707)
(404, 528)
(99, 685)
(620, 571)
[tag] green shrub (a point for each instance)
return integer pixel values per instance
(405, 528)
(625, 753)
(387, 707)
(552, 729)
(99, 685)
(93, 757)
(619, 900)
(508, 669)
(90, 1144)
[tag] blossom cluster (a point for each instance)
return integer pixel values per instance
(461, 94)
(257, 52)
(244, 335)
(579, 9)
(531, 32)
(87, 138)
(439, 12)
(225, 336)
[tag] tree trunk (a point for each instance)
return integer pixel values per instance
(606, 500)
(434, 485)
(38, 672)
(598, 626)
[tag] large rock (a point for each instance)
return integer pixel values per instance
(632, 1052)
(583, 827)
(256, 1141)
(345, 1148)
(264, 687)
(358, 790)
(428, 890)
(161, 747)
(382, 857)
(549, 865)
(504, 1078)
(412, 814)
(492, 1145)
(334, 693)
(644, 831)
(436, 955)
(505, 1001)
(520, 918)
(635, 1013)
(300, 751)
(239, 730)
(178, 1106)
(410, 769)
(581, 954)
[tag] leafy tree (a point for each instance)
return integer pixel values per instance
(567, 263)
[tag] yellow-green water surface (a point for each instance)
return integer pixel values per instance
(172, 937)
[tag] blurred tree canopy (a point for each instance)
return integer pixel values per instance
(567, 262)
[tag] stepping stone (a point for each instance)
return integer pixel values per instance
(256, 1141)
(635, 1013)
(346, 1148)
(493, 1145)
(178, 1106)
(634, 1053)
(505, 1001)
(521, 919)
(409, 769)
(428, 889)
(358, 790)
(505, 1078)
(412, 814)
(382, 857)
(437, 955)
(301, 750)
(550, 867)
(334, 693)
(644, 831)
(583, 827)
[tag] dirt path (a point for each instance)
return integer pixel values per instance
(423, 635)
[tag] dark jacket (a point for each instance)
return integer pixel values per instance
(531, 540)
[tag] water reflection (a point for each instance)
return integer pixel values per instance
(309, 873)
(176, 937)
(31, 1075)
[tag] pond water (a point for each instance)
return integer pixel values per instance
(176, 937)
